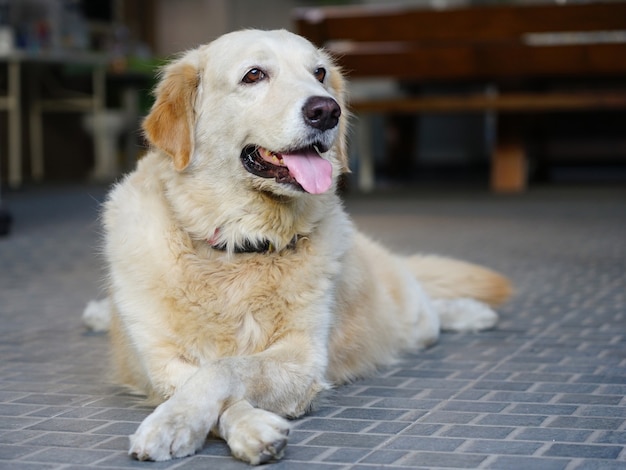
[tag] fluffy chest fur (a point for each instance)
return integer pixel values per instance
(219, 303)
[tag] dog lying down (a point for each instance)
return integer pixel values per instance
(239, 288)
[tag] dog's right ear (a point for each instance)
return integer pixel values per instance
(171, 121)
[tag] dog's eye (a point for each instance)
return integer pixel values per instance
(253, 76)
(320, 74)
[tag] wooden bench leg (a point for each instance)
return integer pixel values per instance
(509, 167)
(365, 154)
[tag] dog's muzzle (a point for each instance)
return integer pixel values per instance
(304, 169)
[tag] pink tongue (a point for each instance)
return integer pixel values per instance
(310, 170)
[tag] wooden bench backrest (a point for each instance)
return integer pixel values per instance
(467, 42)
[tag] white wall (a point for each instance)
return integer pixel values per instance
(183, 24)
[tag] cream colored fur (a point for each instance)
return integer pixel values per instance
(236, 342)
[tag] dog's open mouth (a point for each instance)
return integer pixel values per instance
(303, 168)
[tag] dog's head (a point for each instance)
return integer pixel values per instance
(265, 107)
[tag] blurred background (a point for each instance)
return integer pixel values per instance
(456, 103)
(71, 60)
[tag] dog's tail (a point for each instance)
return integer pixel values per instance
(446, 278)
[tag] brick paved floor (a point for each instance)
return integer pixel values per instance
(545, 390)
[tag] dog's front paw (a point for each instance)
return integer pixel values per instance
(169, 432)
(258, 437)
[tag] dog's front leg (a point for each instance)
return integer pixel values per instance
(179, 426)
(254, 435)
(246, 394)
(281, 381)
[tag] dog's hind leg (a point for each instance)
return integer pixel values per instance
(463, 294)
(464, 314)
(97, 315)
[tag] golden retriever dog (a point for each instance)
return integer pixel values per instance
(239, 288)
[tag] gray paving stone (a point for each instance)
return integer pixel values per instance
(370, 413)
(610, 411)
(589, 464)
(47, 399)
(117, 429)
(17, 437)
(388, 427)
(585, 423)
(309, 452)
(585, 451)
(584, 398)
(478, 432)
(420, 429)
(347, 440)
(334, 425)
(435, 444)
(611, 437)
(552, 435)
(442, 460)
(474, 406)
(567, 388)
(449, 417)
(12, 452)
(121, 460)
(491, 447)
(542, 409)
(120, 414)
(68, 425)
(552, 379)
(61, 455)
(297, 437)
(354, 401)
(116, 443)
(497, 385)
(384, 457)
(17, 465)
(388, 392)
(8, 422)
(602, 379)
(527, 463)
(62, 439)
(347, 455)
(405, 404)
(61, 411)
(15, 409)
(306, 465)
(427, 383)
(471, 395)
(440, 394)
(521, 397)
(611, 389)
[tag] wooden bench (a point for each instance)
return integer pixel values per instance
(528, 59)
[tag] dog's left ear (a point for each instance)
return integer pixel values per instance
(338, 83)
(171, 121)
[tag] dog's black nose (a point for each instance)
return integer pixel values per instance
(321, 112)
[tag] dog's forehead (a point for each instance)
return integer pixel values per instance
(264, 45)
